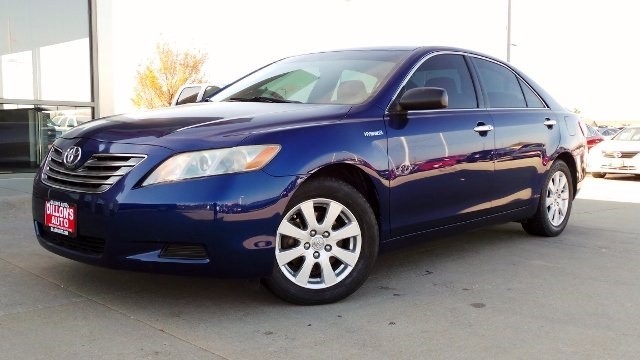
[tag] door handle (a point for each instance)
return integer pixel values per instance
(482, 128)
(549, 122)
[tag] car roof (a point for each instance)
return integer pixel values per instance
(421, 50)
(425, 49)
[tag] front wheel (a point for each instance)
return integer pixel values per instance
(326, 244)
(555, 203)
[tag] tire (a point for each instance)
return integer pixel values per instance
(599, 175)
(554, 207)
(318, 263)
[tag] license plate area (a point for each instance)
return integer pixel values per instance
(60, 217)
(616, 163)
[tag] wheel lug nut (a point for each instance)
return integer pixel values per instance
(316, 255)
(307, 246)
(313, 233)
(327, 248)
(326, 234)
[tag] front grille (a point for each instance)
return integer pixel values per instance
(87, 245)
(622, 154)
(96, 175)
(184, 251)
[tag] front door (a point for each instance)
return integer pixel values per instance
(441, 161)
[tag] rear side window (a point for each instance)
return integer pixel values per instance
(449, 72)
(188, 95)
(533, 101)
(502, 85)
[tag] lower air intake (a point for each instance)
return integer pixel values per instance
(184, 251)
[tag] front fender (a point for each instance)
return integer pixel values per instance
(360, 143)
(306, 149)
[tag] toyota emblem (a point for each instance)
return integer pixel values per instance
(617, 154)
(71, 156)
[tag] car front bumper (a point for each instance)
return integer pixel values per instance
(220, 225)
(601, 164)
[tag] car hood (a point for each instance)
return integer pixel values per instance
(616, 145)
(203, 126)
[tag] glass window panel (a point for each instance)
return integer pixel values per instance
(46, 52)
(27, 132)
(65, 71)
(17, 76)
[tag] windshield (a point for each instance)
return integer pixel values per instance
(344, 77)
(628, 134)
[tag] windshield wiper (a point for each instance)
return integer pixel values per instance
(263, 99)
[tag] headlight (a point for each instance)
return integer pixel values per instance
(212, 162)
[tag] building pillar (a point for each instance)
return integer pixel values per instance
(103, 59)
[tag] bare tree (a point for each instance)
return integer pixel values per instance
(159, 80)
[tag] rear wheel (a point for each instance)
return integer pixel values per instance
(555, 203)
(326, 244)
(598, 175)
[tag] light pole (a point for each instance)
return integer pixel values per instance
(509, 31)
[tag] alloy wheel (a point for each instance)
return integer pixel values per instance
(557, 201)
(318, 243)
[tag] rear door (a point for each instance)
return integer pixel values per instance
(440, 161)
(527, 133)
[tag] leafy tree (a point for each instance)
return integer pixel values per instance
(159, 80)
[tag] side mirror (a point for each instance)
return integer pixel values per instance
(424, 98)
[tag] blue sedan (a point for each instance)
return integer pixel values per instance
(300, 172)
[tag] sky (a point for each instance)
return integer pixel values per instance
(583, 52)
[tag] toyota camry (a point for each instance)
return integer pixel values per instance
(300, 172)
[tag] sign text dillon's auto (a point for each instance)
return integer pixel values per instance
(60, 217)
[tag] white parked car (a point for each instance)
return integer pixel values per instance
(191, 93)
(620, 155)
(608, 132)
(64, 123)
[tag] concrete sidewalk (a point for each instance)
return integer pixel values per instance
(15, 184)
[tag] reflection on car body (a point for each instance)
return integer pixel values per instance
(299, 172)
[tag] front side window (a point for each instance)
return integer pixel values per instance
(449, 72)
(502, 85)
(343, 77)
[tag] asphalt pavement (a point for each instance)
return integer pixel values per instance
(494, 293)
